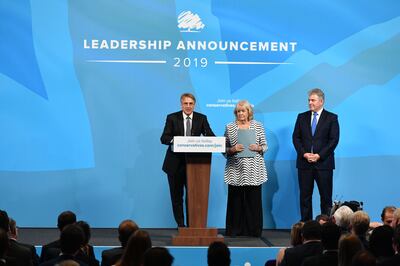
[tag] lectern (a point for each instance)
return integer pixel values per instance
(198, 167)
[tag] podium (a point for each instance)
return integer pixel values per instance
(198, 167)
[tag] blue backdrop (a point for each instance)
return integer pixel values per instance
(85, 87)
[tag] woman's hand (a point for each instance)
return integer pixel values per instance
(255, 147)
(237, 148)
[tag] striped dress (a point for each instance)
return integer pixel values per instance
(248, 171)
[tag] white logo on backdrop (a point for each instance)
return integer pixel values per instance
(189, 22)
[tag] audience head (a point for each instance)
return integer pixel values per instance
(4, 243)
(71, 239)
(13, 233)
(380, 241)
(330, 235)
(363, 258)
(218, 254)
(295, 234)
(157, 256)
(342, 217)
(4, 221)
(387, 214)
(137, 245)
(396, 218)
(125, 230)
(311, 230)
(65, 218)
(86, 231)
(322, 218)
(360, 223)
(349, 245)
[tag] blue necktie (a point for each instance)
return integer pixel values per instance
(314, 123)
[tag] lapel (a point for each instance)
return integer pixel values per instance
(194, 122)
(321, 121)
(308, 122)
(181, 129)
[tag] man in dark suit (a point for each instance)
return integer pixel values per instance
(13, 236)
(394, 260)
(71, 239)
(52, 250)
(125, 230)
(315, 137)
(181, 123)
(22, 255)
(330, 234)
(311, 233)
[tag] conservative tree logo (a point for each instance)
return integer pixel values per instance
(189, 22)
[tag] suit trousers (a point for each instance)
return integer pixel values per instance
(177, 188)
(323, 178)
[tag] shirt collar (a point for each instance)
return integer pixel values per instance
(185, 115)
(319, 112)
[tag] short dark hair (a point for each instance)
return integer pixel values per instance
(86, 230)
(71, 239)
(125, 230)
(380, 241)
(322, 217)
(65, 218)
(4, 221)
(311, 230)
(330, 234)
(157, 256)
(218, 254)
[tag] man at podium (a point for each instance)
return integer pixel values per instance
(182, 123)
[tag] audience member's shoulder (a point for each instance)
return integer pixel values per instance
(112, 251)
(311, 261)
(54, 244)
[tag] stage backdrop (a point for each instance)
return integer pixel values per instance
(85, 87)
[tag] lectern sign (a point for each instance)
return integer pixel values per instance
(199, 144)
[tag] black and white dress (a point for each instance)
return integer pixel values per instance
(244, 177)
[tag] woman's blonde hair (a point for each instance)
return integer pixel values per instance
(246, 105)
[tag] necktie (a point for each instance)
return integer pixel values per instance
(314, 123)
(188, 127)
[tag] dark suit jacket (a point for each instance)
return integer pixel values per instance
(393, 261)
(22, 254)
(174, 127)
(8, 261)
(323, 142)
(111, 256)
(328, 258)
(89, 259)
(34, 256)
(50, 251)
(295, 256)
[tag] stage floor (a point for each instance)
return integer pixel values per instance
(159, 237)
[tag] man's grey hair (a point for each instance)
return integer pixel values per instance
(343, 216)
(317, 92)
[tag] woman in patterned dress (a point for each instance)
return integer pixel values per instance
(244, 175)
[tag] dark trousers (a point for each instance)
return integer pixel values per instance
(323, 178)
(244, 211)
(177, 186)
